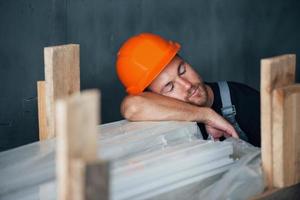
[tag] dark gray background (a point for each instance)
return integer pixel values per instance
(222, 39)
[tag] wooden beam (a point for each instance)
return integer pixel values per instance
(91, 180)
(97, 180)
(76, 126)
(62, 78)
(275, 72)
(286, 136)
(42, 110)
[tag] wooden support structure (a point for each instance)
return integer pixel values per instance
(42, 110)
(80, 175)
(286, 136)
(62, 78)
(276, 72)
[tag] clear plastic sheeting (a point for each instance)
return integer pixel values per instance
(154, 173)
(148, 160)
(245, 177)
(23, 169)
(122, 139)
(243, 180)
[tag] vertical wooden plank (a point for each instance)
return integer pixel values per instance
(62, 78)
(296, 136)
(90, 180)
(275, 72)
(286, 135)
(42, 110)
(76, 126)
(96, 180)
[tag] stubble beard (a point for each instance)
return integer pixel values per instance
(202, 98)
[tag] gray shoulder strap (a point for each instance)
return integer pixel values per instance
(225, 94)
(228, 110)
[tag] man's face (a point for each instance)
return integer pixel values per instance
(178, 80)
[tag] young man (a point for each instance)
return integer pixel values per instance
(162, 86)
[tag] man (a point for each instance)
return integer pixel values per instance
(163, 86)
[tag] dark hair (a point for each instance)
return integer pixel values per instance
(147, 89)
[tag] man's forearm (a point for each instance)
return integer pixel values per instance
(154, 107)
(149, 106)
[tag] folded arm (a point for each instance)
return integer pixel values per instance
(149, 106)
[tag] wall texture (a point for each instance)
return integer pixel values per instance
(222, 39)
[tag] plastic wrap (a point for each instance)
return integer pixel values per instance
(161, 171)
(24, 169)
(242, 180)
(159, 160)
(122, 139)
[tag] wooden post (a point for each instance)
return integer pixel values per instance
(275, 72)
(97, 180)
(286, 136)
(42, 110)
(62, 78)
(80, 176)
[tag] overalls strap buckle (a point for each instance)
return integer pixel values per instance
(228, 111)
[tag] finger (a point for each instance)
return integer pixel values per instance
(233, 133)
(214, 132)
(230, 130)
(218, 122)
(226, 135)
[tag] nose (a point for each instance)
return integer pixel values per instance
(185, 83)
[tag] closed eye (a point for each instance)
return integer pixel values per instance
(168, 87)
(181, 68)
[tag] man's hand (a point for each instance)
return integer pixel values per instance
(217, 133)
(217, 126)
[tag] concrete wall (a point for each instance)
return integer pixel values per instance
(222, 39)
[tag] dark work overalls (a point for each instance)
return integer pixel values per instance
(228, 110)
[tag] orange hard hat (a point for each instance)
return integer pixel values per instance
(141, 58)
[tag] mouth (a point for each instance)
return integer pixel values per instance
(195, 92)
